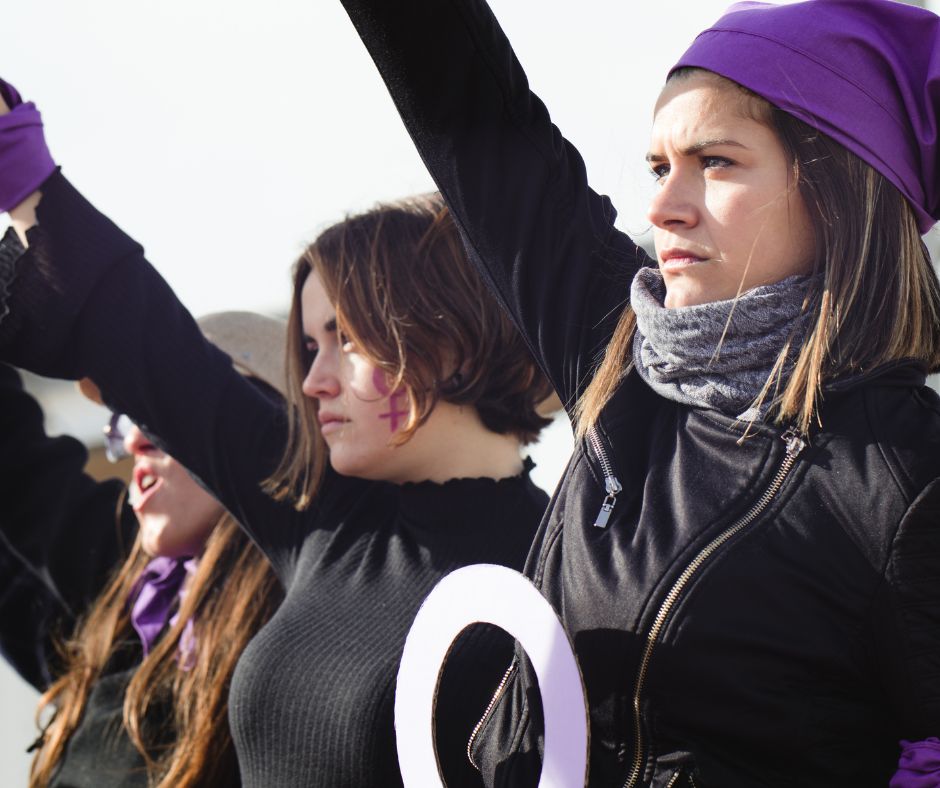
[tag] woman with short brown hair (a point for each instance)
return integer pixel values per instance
(388, 270)
(398, 461)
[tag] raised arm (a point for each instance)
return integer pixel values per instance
(61, 533)
(83, 302)
(518, 190)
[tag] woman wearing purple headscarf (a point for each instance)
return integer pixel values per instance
(745, 548)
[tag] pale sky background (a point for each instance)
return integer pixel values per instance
(224, 135)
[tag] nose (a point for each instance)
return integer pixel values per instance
(674, 203)
(322, 380)
(136, 443)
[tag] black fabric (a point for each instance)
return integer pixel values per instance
(808, 643)
(99, 752)
(311, 701)
(26, 608)
(312, 697)
(61, 536)
(10, 251)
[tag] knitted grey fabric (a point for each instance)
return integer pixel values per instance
(677, 353)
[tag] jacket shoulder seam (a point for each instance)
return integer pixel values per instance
(892, 463)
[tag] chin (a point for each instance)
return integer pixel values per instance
(152, 538)
(677, 300)
(346, 466)
(157, 543)
(154, 548)
(681, 295)
(157, 548)
(359, 467)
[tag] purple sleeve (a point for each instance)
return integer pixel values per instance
(919, 765)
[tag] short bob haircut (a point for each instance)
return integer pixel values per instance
(876, 299)
(406, 294)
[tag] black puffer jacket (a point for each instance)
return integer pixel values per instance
(772, 605)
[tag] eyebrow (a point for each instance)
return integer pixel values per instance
(328, 326)
(698, 147)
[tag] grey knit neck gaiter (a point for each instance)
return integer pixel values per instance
(676, 351)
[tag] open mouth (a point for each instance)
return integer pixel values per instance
(144, 487)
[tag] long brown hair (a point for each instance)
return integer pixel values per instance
(192, 746)
(405, 292)
(876, 300)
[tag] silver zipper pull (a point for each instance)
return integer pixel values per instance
(611, 483)
(613, 487)
(604, 514)
(794, 441)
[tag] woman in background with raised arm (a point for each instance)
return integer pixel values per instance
(142, 597)
(410, 397)
(744, 548)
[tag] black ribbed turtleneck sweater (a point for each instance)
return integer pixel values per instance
(323, 669)
(311, 702)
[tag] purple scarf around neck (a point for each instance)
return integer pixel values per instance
(156, 591)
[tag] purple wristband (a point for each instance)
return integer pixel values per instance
(919, 765)
(25, 161)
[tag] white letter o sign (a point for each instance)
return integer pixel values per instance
(486, 593)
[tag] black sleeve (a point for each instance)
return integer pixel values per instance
(518, 190)
(906, 629)
(84, 302)
(30, 617)
(62, 534)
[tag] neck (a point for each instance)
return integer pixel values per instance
(454, 444)
(717, 355)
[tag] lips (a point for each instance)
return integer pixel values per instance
(145, 485)
(677, 257)
(330, 422)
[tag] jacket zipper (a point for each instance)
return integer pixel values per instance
(611, 483)
(489, 710)
(795, 445)
(613, 487)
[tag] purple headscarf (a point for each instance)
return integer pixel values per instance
(865, 72)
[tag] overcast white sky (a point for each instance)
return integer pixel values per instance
(223, 135)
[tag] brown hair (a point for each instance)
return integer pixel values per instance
(407, 295)
(876, 300)
(193, 746)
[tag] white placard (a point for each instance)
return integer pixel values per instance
(495, 595)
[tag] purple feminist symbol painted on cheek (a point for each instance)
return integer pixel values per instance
(396, 414)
